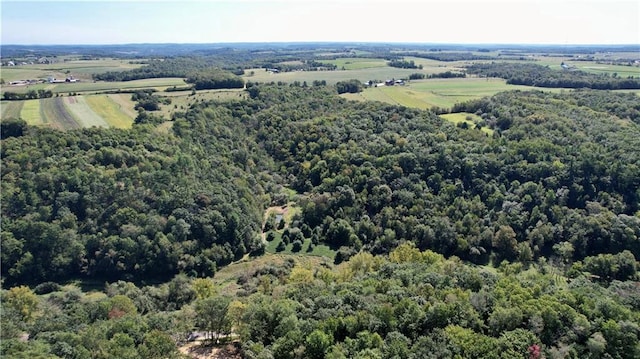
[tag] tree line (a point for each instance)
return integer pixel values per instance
(543, 76)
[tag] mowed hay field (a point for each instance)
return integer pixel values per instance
(356, 63)
(331, 77)
(70, 112)
(31, 112)
(80, 110)
(81, 69)
(53, 111)
(109, 110)
(11, 109)
(84, 87)
(442, 93)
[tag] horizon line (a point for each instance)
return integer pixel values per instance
(327, 42)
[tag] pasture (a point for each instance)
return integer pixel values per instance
(80, 110)
(442, 93)
(70, 112)
(331, 77)
(356, 63)
(53, 111)
(108, 110)
(31, 112)
(81, 69)
(159, 84)
(11, 109)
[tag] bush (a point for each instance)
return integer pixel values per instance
(47, 287)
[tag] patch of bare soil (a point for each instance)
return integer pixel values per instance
(202, 350)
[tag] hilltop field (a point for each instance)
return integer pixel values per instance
(87, 102)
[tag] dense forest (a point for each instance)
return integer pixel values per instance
(523, 244)
(542, 76)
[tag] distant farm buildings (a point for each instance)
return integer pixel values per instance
(53, 80)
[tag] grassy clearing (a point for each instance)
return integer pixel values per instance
(320, 250)
(469, 118)
(430, 66)
(226, 278)
(620, 71)
(182, 100)
(109, 111)
(124, 103)
(82, 69)
(438, 92)
(11, 109)
(159, 84)
(331, 77)
(31, 112)
(356, 63)
(83, 113)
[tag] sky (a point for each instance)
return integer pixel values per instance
(561, 22)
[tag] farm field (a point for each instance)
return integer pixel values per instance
(53, 111)
(82, 69)
(124, 103)
(87, 86)
(81, 111)
(356, 63)
(31, 112)
(11, 109)
(108, 110)
(430, 93)
(70, 112)
(158, 83)
(331, 77)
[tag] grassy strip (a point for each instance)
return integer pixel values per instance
(109, 111)
(53, 111)
(124, 103)
(83, 113)
(11, 109)
(31, 112)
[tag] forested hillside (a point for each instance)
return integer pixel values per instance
(561, 171)
(500, 246)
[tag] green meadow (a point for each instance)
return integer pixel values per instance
(443, 93)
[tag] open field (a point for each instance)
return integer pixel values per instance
(54, 112)
(83, 113)
(70, 112)
(82, 69)
(108, 110)
(11, 109)
(31, 112)
(181, 100)
(331, 77)
(469, 118)
(124, 103)
(437, 92)
(621, 71)
(159, 84)
(356, 63)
